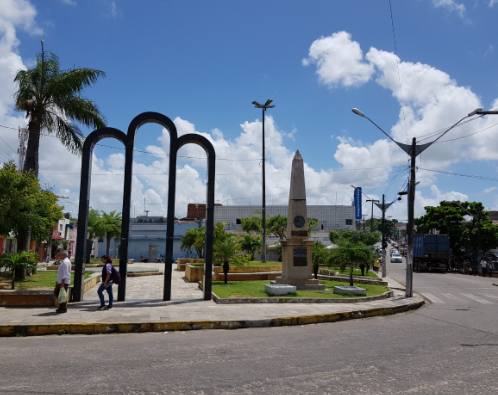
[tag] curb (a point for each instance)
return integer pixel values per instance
(103, 328)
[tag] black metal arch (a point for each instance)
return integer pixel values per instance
(129, 143)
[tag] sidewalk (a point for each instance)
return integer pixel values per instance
(144, 310)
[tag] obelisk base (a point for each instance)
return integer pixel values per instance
(297, 266)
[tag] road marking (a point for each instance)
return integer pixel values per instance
(432, 298)
(490, 296)
(477, 298)
(452, 297)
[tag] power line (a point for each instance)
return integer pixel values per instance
(461, 175)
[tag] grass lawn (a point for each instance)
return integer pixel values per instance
(256, 289)
(356, 271)
(42, 280)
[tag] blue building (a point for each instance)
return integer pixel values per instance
(148, 239)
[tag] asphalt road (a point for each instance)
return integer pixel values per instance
(442, 348)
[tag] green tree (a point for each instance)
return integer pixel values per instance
(110, 225)
(252, 224)
(94, 231)
(53, 101)
(24, 205)
(226, 250)
(194, 239)
(319, 255)
(251, 244)
(355, 236)
(277, 225)
(355, 254)
(18, 262)
(449, 218)
(312, 222)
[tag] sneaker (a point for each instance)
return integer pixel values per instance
(60, 311)
(108, 307)
(101, 307)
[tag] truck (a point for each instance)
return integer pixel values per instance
(431, 252)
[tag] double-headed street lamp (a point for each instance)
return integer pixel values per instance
(264, 107)
(413, 150)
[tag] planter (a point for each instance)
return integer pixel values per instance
(181, 263)
(40, 297)
(236, 273)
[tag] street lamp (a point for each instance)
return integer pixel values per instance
(413, 150)
(264, 107)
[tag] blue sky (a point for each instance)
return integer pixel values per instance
(202, 63)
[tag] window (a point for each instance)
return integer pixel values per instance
(239, 222)
(349, 222)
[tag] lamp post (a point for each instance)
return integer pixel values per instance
(413, 150)
(264, 107)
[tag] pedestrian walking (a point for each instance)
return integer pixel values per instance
(63, 279)
(490, 268)
(484, 267)
(106, 283)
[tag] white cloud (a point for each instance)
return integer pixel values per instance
(490, 49)
(339, 61)
(451, 6)
(488, 190)
(492, 2)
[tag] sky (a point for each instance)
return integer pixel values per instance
(413, 67)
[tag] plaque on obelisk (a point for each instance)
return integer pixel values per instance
(297, 266)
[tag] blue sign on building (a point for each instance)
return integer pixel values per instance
(357, 203)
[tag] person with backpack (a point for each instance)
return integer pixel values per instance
(107, 281)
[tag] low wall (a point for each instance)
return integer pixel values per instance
(181, 263)
(40, 297)
(249, 276)
(236, 273)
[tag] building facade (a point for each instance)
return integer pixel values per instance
(329, 217)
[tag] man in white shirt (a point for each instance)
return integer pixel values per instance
(484, 267)
(63, 278)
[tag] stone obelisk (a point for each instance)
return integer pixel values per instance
(297, 266)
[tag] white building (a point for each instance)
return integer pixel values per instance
(329, 217)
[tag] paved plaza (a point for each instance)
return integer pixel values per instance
(144, 304)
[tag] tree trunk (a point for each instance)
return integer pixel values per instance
(31, 159)
(351, 275)
(108, 245)
(226, 268)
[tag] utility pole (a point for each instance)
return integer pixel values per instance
(372, 217)
(409, 230)
(384, 207)
(413, 150)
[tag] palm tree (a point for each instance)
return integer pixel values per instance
(110, 225)
(226, 250)
(52, 99)
(94, 231)
(194, 239)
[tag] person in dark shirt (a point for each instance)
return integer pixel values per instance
(106, 283)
